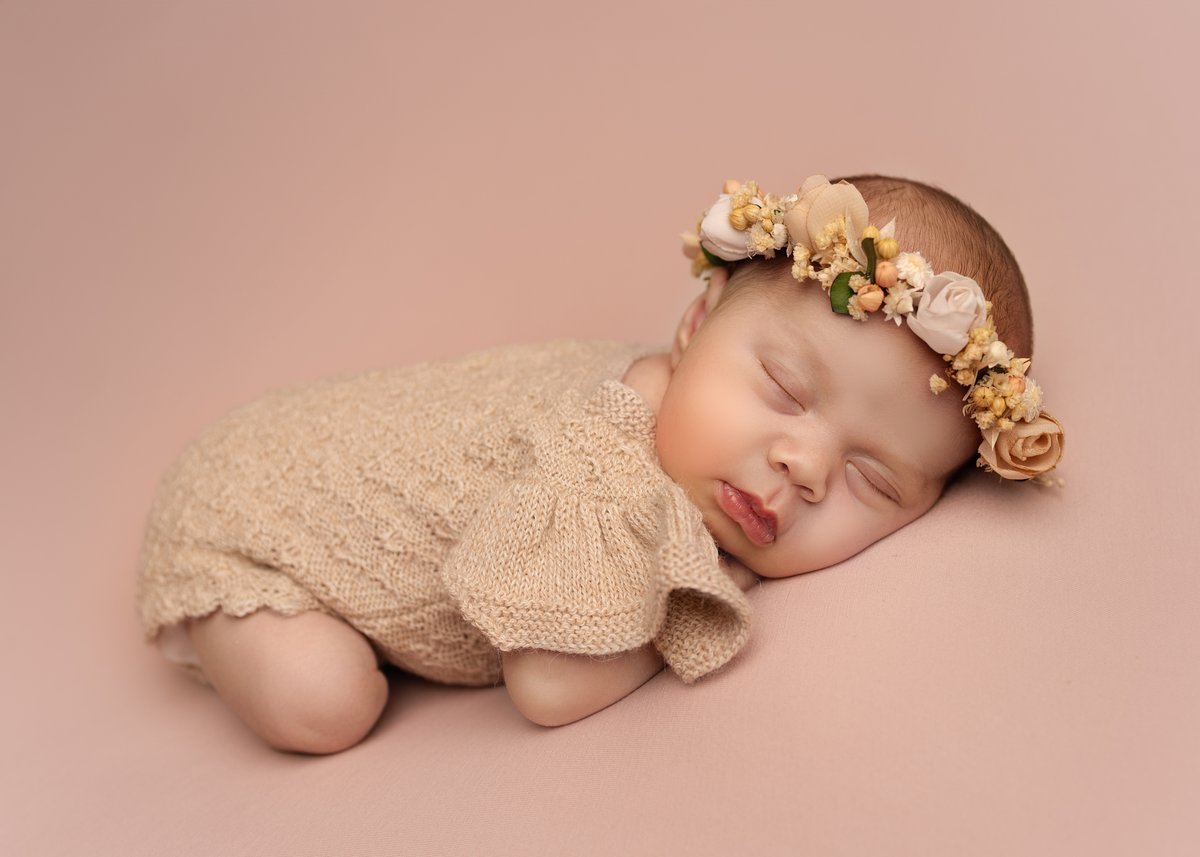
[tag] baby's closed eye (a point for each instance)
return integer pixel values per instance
(873, 480)
(779, 386)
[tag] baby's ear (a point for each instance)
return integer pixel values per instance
(697, 311)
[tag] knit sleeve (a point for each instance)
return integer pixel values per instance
(593, 549)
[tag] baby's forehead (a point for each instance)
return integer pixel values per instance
(801, 322)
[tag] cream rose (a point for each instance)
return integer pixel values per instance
(819, 202)
(950, 306)
(718, 236)
(1025, 450)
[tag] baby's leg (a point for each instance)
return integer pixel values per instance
(307, 683)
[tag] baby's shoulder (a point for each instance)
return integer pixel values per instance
(649, 376)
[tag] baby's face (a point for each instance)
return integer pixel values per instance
(827, 421)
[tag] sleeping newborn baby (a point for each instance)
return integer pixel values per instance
(567, 518)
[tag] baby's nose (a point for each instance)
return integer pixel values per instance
(805, 463)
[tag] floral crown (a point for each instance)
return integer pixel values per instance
(824, 228)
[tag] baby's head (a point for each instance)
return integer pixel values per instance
(805, 435)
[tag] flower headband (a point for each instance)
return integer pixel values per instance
(824, 228)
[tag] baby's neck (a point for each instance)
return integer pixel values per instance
(649, 376)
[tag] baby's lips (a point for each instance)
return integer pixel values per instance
(744, 509)
(766, 514)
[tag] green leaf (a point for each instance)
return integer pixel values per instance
(840, 292)
(868, 245)
(715, 260)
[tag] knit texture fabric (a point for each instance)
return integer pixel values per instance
(449, 510)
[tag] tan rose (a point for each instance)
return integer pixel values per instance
(1025, 450)
(819, 203)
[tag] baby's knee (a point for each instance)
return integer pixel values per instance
(307, 683)
(320, 712)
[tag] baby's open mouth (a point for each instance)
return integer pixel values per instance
(759, 528)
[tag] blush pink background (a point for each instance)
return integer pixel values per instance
(200, 202)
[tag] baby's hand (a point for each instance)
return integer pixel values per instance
(742, 576)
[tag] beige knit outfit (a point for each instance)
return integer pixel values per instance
(449, 510)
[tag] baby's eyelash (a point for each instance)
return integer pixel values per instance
(875, 487)
(775, 381)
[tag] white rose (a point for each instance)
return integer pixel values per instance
(718, 236)
(951, 305)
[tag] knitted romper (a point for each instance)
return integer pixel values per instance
(448, 510)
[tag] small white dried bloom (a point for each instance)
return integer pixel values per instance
(1032, 400)
(998, 354)
(898, 303)
(856, 311)
(766, 243)
(913, 268)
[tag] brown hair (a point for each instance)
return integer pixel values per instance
(952, 236)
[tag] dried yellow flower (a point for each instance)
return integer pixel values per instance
(801, 270)
(937, 383)
(738, 218)
(743, 195)
(887, 248)
(982, 396)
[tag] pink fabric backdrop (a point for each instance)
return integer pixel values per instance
(200, 202)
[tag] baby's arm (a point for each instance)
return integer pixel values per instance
(554, 688)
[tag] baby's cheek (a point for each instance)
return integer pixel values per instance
(691, 431)
(676, 445)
